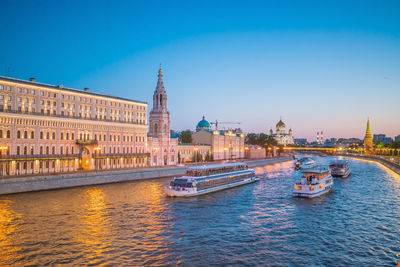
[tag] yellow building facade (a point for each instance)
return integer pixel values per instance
(51, 129)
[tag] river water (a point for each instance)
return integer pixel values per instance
(260, 224)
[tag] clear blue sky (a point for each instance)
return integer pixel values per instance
(321, 65)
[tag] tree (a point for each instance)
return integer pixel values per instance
(251, 138)
(379, 145)
(395, 144)
(186, 137)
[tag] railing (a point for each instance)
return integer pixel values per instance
(104, 155)
(68, 116)
(34, 157)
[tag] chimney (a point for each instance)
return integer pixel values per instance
(32, 79)
(86, 89)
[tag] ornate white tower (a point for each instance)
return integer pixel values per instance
(160, 127)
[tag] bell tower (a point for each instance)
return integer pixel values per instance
(160, 125)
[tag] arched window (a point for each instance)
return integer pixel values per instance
(160, 100)
(53, 150)
(32, 135)
(1, 133)
(48, 135)
(18, 150)
(61, 150)
(54, 135)
(155, 128)
(31, 150)
(8, 134)
(41, 135)
(66, 150)
(67, 136)
(18, 134)
(25, 134)
(62, 137)
(47, 150)
(41, 150)
(25, 150)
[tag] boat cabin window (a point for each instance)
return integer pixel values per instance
(181, 183)
(210, 171)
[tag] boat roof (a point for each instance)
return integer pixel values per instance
(339, 161)
(214, 176)
(316, 171)
(216, 166)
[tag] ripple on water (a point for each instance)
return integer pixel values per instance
(258, 224)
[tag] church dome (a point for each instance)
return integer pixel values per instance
(280, 124)
(203, 125)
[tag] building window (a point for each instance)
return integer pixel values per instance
(41, 135)
(32, 135)
(47, 150)
(18, 134)
(25, 150)
(25, 134)
(41, 150)
(31, 150)
(54, 135)
(18, 150)
(47, 135)
(61, 150)
(1, 133)
(62, 137)
(53, 150)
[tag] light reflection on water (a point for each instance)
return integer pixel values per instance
(258, 224)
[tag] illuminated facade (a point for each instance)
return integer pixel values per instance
(368, 140)
(50, 129)
(191, 153)
(224, 144)
(162, 146)
(281, 136)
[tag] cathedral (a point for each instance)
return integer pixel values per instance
(281, 136)
(162, 146)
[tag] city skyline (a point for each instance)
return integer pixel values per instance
(320, 68)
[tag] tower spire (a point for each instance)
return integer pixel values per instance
(368, 141)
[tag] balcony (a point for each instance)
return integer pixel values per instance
(121, 155)
(84, 142)
(35, 157)
(70, 117)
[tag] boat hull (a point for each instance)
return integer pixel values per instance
(314, 194)
(185, 193)
(341, 174)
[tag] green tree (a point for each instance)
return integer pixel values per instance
(251, 138)
(186, 137)
(379, 144)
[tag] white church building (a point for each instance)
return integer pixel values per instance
(281, 136)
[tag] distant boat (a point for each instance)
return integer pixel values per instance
(305, 163)
(340, 168)
(313, 183)
(206, 179)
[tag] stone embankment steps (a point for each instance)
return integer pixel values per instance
(38, 183)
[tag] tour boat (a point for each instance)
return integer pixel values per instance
(305, 163)
(313, 183)
(205, 179)
(340, 168)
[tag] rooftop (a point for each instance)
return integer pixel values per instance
(66, 89)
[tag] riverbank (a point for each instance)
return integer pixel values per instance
(388, 164)
(35, 183)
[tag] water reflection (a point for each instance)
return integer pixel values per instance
(8, 249)
(94, 220)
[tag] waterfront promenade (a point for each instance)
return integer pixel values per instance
(37, 183)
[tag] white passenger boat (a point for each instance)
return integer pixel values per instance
(340, 168)
(205, 179)
(313, 183)
(305, 163)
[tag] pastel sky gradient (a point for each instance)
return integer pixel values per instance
(321, 65)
